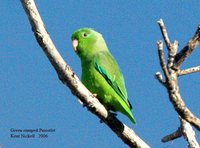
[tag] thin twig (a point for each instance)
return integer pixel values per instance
(189, 71)
(172, 53)
(159, 77)
(68, 77)
(164, 33)
(172, 136)
(162, 58)
(172, 48)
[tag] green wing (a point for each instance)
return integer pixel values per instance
(106, 65)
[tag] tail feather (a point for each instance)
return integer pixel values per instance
(130, 116)
(126, 110)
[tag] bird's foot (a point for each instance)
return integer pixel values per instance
(112, 113)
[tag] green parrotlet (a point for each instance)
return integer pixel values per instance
(100, 71)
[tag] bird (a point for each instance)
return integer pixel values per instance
(100, 72)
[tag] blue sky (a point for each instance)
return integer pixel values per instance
(33, 97)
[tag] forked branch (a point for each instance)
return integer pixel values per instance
(171, 70)
(186, 131)
(189, 71)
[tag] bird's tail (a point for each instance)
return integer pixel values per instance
(131, 117)
(127, 111)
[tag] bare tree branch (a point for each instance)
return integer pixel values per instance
(187, 50)
(164, 33)
(174, 135)
(189, 134)
(172, 47)
(162, 58)
(159, 77)
(68, 77)
(173, 90)
(185, 130)
(189, 71)
(171, 71)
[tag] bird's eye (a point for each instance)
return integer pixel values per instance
(85, 34)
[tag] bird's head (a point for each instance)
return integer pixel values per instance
(87, 41)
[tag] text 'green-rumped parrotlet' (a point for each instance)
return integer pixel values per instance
(100, 72)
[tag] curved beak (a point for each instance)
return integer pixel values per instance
(75, 44)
